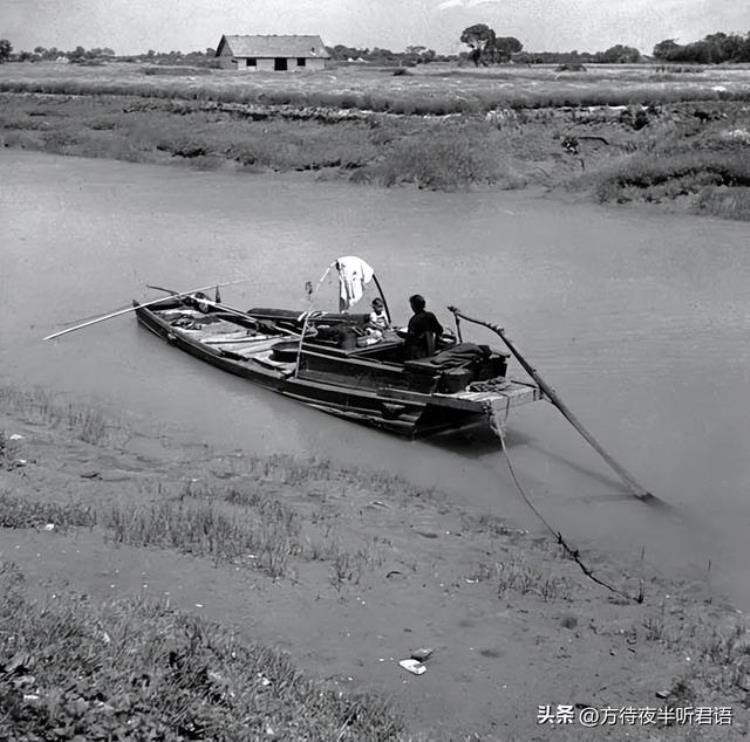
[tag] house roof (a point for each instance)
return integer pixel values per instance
(274, 46)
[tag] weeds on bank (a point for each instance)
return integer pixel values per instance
(719, 650)
(718, 182)
(136, 669)
(350, 566)
(87, 423)
(292, 470)
(445, 158)
(276, 528)
(705, 159)
(18, 512)
(267, 541)
(517, 575)
(725, 202)
(9, 450)
(675, 153)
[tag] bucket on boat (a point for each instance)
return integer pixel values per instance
(285, 351)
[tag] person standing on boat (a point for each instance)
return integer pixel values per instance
(423, 330)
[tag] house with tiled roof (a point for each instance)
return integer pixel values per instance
(272, 53)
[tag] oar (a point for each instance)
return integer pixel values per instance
(550, 393)
(131, 309)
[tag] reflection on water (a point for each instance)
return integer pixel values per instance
(639, 320)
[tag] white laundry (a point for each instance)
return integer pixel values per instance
(354, 275)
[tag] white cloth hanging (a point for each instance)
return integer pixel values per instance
(354, 275)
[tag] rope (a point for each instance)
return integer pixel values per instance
(574, 554)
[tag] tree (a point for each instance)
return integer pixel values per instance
(618, 54)
(505, 46)
(479, 37)
(664, 49)
(6, 49)
(77, 55)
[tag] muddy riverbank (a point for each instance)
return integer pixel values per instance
(682, 155)
(363, 569)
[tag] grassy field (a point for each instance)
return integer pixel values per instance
(426, 90)
(622, 134)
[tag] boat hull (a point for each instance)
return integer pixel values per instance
(373, 397)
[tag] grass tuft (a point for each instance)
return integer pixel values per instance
(136, 669)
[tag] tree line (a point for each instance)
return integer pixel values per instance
(712, 49)
(412, 55)
(485, 48)
(95, 54)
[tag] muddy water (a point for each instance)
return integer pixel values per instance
(640, 320)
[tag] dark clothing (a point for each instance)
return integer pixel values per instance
(422, 334)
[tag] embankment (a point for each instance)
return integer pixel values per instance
(616, 140)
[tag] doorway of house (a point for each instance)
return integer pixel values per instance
(279, 64)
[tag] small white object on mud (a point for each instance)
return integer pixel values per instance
(15, 437)
(413, 666)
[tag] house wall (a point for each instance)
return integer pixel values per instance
(314, 63)
(226, 60)
(266, 64)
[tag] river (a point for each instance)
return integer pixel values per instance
(640, 320)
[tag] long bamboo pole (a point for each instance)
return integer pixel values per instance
(132, 309)
(552, 395)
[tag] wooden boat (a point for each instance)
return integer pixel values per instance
(335, 363)
(328, 361)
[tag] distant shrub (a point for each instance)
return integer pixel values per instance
(571, 67)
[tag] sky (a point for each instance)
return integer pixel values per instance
(134, 26)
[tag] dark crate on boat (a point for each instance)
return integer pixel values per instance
(455, 380)
(496, 364)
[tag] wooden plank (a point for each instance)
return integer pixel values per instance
(243, 339)
(515, 395)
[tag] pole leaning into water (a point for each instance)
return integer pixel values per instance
(132, 309)
(551, 394)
